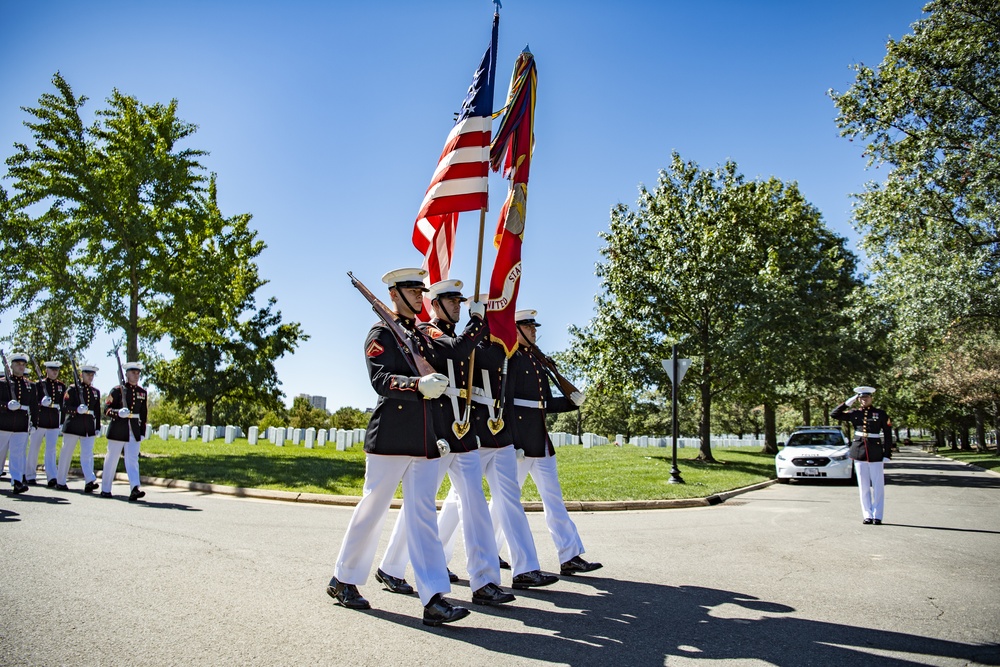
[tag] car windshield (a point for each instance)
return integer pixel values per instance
(815, 439)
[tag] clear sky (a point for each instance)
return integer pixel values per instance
(325, 119)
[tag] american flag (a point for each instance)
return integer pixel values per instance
(460, 180)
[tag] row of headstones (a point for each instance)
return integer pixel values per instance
(309, 437)
(559, 439)
(105, 425)
(206, 433)
(662, 441)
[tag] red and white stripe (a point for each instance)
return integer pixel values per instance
(460, 182)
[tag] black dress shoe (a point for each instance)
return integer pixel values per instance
(105, 494)
(504, 565)
(347, 595)
(439, 611)
(493, 595)
(868, 521)
(534, 579)
(393, 584)
(90, 487)
(877, 522)
(62, 487)
(136, 494)
(32, 482)
(51, 483)
(20, 487)
(577, 565)
(452, 577)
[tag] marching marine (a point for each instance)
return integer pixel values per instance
(82, 407)
(17, 400)
(532, 400)
(46, 419)
(126, 406)
(401, 445)
(449, 354)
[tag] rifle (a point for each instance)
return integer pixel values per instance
(417, 363)
(7, 374)
(38, 372)
(565, 386)
(121, 373)
(76, 383)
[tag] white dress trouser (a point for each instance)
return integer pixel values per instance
(51, 436)
(871, 483)
(17, 443)
(544, 473)
(483, 562)
(382, 475)
(131, 462)
(86, 457)
(506, 511)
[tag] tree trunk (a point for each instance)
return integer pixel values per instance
(980, 430)
(806, 413)
(963, 434)
(705, 453)
(826, 415)
(209, 409)
(132, 334)
(770, 429)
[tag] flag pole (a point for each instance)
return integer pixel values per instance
(463, 427)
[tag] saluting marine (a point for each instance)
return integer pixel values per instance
(532, 400)
(400, 446)
(82, 407)
(870, 448)
(449, 354)
(17, 400)
(46, 418)
(126, 406)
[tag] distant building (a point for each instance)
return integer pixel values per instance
(315, 401)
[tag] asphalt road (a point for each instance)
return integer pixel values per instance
(786, 575)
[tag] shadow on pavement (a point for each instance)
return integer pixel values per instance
(898, 477)
(8, 516)
(35, 498)
(631, 623)
(958, 530)
(153, 505)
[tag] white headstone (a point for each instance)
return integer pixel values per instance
(310, 437)
(252, 435)
(321, 438)
(185, 433)
(296, 436)
(207, 433)
(341, 440)
(230, 434)
(164, 431)
(279, 437)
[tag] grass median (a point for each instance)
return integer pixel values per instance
(598, 473)
(988, 459)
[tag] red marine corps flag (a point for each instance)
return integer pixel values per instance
(460, 180)
(512, 150)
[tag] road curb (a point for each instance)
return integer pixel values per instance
(530, 506)
(970, 465)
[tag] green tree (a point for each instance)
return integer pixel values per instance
(348, 418)
(737, 272)
(116, 201)
(305, 415)
(929, 114)
(225, 345)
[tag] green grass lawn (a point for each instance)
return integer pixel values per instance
(600, 473)
(988, 459)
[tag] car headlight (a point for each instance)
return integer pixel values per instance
(780, 457)
(842, 457)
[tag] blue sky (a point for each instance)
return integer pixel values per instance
(325, 121)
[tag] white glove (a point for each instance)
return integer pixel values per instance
(444, 447)
(577, 398)
(519, 453)
(851, 401)
(124, 413)
(81, 409)
(46, 401)
(12, 405)
(432, 385)
(477, 309)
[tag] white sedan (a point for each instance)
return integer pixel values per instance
(814, 453)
